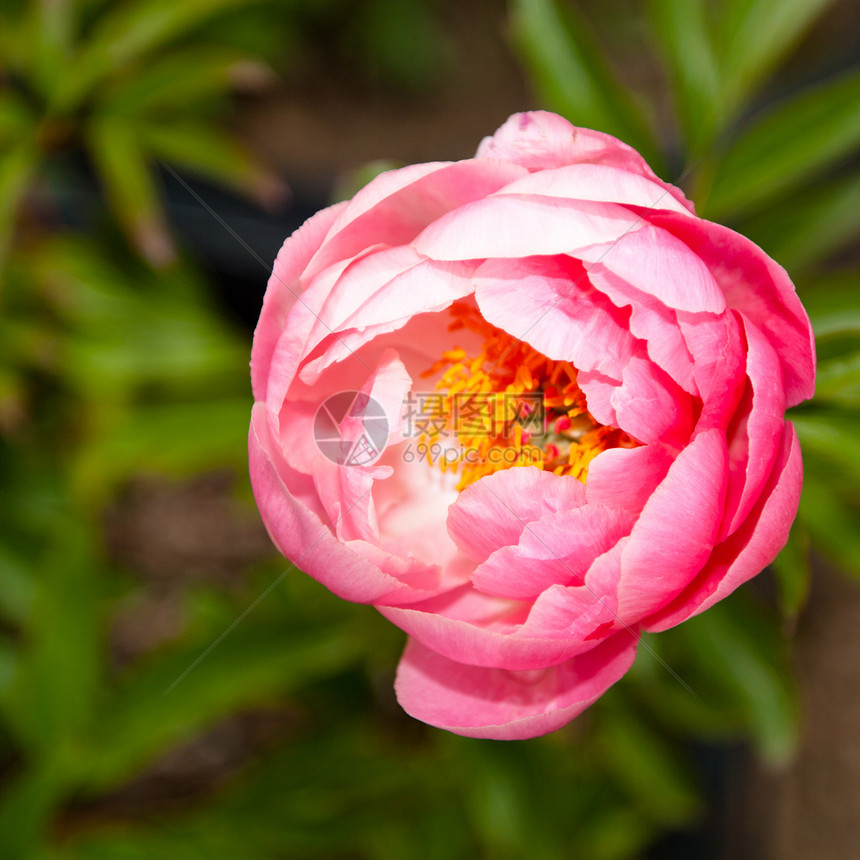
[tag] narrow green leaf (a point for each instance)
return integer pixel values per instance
(126, 33)
(178, 81)
(681, 28)
(177, 438)
(176, 694)
(833, 303)
(786, 146)
(648, 767)
(740, 644)
(832, 523)
(213, 154)
(809, 226)
(837, 380)
(17, 168)
(572, 77)
(54, 694)
(831, 435)
(49, 26)
(793, 573)
(129, 188)
(755, 35)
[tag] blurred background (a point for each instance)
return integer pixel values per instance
(168, 688)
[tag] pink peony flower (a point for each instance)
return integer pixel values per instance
(527, 405)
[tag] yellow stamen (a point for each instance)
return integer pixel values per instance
(503, 407)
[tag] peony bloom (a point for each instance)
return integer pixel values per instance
(527, 405)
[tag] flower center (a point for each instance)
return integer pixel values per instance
(506, 406)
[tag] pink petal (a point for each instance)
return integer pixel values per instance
(540, 140)
(465, 624)
(657, 263)
(283, 289)
(749, 549)
(586, 612)
(717, 346)
(599, 182)
(494, 703)
(512, 226)
(760, 289)
(379, 299)
(397, 205)
(626, 477)
(492, 512)
(754, 437)
(676, 530)
(555, 550)
(549, 303)
(653, 322)
(650, 406)
(304, 538)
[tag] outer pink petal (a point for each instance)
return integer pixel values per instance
(283, 290)
(751, 548)
(540, 140)
(302, 536)
(465, 624)
(657, 263)
(650, 406)
(550, 304)
(389, 302)
(398, 204)
(717, 346)
(556, 550)
(492, 512)
(626, 477)
(754, 438)
(653, 322)
(760, 289)
(599, 182)
(494, 703)
(586, 612)
(513, 226)
(676, 531)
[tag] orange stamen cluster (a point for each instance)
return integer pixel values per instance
(509, 405)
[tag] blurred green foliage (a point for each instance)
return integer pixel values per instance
(115, 362)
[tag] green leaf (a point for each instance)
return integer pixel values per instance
(681, 28)
(128, 185)
(172, 438)
(831, 435)
(49, 28)
(645, 763)
(17, 168)
(53, 697)
(571, 75)
(213, 154)
(738, 644)
(177, 694)
(837, 380)
(833, 304)
(176, 83)
(809, 226)
(831, 522)
(793, 573)
(787, 146)
(126, 33)
(754, 36)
